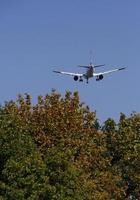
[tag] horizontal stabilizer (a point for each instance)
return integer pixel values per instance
(99, 66)
(84, 66)
(88, 66)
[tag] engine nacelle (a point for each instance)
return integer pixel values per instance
(75, 78)
(100, 77)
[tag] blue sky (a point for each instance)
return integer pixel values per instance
(37, 36)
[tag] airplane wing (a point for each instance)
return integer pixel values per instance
(69, 73)
(108, 72)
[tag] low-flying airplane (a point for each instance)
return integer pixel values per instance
(90, 72)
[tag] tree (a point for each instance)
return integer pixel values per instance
(22, 172)
(129, 149)
(56, 146)
(123, 144)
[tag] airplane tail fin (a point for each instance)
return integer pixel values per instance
(91, 61)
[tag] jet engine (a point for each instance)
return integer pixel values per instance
(75, 78)
(100, 77)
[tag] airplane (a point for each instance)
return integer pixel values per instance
(90, 72)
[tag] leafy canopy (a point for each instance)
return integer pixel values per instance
(56, 150)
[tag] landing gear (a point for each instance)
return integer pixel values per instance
(81, 80)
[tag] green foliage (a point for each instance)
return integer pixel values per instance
(129, 150)
(123, 144)
(22, 174)
(56, 150)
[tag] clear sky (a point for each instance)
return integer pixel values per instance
(37, 36)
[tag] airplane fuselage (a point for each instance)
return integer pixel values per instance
(89, 72)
